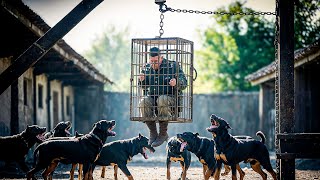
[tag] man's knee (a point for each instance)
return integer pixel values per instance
(145, 102)
(164, 100)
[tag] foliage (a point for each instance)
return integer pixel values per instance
(228, 57)
(224, 68)
(306, 22)
(110, 54)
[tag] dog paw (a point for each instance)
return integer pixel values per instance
(217, 156)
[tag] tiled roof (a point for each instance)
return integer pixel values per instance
(298, 55)
(24, 13)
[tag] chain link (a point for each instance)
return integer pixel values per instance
(217, 13)
(161, 31)
(277, 121)
(163, 8)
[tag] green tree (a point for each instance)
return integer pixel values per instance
(254, 40)
(110, 54)
(247, 46)
(219, 54)
(306, 22)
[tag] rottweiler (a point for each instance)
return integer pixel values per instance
(176, 151)
(60, 130)
(119, 153)
(232, 151)
(202, 147)
(15, 148)
(77, 135)
(83, 150)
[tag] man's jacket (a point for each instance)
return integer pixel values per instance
(156, 82)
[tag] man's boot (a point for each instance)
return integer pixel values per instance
(153, 131)
(163, 135)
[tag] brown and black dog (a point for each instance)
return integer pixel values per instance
(177, 152)
(204, 149)
(15, 148)
(83, 150)
(232, 151)
(77, 135)
(60, 130)
(119, 153)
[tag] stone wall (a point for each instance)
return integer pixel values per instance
(240, 109)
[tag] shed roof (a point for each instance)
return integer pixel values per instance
(301, 56)
(61, 49)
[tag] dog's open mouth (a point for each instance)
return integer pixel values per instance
(181, 140)
(183, 146)
(112, 133)
(144, 152)
(41, 137)
(214, 125)
(67, 130)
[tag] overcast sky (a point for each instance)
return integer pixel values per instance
(142, 17)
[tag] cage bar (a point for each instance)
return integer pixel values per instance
(178, 53)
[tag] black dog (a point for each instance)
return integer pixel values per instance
(119, 153)
(232, 151)
(15, 148)
(176, 151)
(83, 150)
(64, 161)
(203, 148)
(61, 130)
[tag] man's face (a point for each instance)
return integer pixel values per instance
(155, 62)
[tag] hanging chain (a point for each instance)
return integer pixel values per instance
(277, 121)
(163, 8)
(161, 31)
(220, 13)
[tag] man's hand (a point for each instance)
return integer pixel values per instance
(141, 77)
(173, 82)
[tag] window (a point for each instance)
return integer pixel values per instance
(68, 105)
(40, 96)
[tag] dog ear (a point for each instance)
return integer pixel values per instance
(140, 136)
(28, 128)
(98, 125)
(197, 134)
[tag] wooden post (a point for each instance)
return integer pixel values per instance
(39, 48)
(286, 82)
(14, 123)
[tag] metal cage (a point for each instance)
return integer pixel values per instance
(178, 55)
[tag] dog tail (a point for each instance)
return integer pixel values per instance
(262, 136)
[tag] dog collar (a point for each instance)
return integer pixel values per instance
(95, 136)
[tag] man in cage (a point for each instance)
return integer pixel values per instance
(161, 80)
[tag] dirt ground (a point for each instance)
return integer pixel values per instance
(159, 173)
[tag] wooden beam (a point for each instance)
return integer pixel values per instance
(39, 48)
(286, 82)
